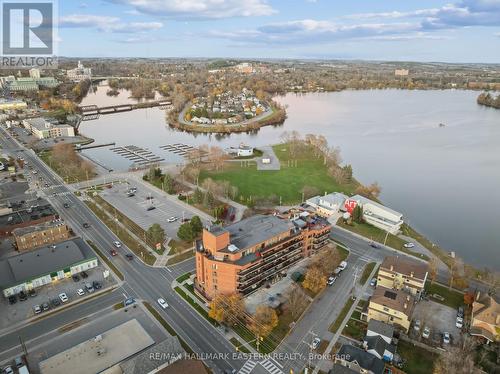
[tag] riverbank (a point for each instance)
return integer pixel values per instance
(489, 100)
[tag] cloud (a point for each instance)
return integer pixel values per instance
(106, 23)
(497, 34)
(200, 9)
(394, 14)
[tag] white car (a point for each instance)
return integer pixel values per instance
(426, 333)
(315, 343)
(80, 292)
(459, 322)
(37, 309)
(409, 245)
(172, 219)
(416, 326)
(373, 282)
(117, 244)
(343, 265)
(63, 297)
(331, 281)
(446, 338)
(163, 303)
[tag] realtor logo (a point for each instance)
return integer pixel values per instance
(28, 34)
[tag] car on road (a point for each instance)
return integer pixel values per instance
(416, 326)
(172, 219)
(12, 299)
(63, 297)
(151, 207)
(66, 205)
(85, 225)
(426, 333)
(37, 309)
(315, 343)
(446, 337)
(45, 306)
(163, 303)
(373, 282)
(129, 257)
(117, 244)
(80, 292)
(409, 245)
(374, 245)
(331, 280)
(113, 252)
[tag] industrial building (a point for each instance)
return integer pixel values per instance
(45, 265)
(256, 251)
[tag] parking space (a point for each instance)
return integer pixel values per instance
(49, 295)
(147, 207)
(439, 318)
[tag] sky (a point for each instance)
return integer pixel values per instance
(395, 30)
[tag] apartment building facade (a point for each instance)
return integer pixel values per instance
(30, 237)
(394, 307)
(244, 256)
(401, 273)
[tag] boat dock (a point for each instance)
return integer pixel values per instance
(138, 155)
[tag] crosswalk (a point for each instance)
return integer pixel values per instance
(248, 367)
(270, 366)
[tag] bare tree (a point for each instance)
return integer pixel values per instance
(458, 360)
(296, 301)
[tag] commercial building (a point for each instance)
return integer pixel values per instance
(376, 214)
(43, 129)
(391, 306)
(256, 251)
(358, 360)
(401, 72)
(30, 237)
(485, 319)
(80, 73)
(328, 205)
(402, 273)
(6, 104)
(27, 217)
(28, 83)
(33, 269)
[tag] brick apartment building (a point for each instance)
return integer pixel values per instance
(246, 255)
(45, 233)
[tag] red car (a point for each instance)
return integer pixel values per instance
(113, 252)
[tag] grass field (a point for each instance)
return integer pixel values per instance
(343, 313)
(70, 175)
(286, 183)
(418, 360)
(452, 298)
(366, 272)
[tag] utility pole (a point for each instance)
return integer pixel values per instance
(23, 346)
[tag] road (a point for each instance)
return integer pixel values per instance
(141, 281)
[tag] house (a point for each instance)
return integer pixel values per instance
(339, 369)
(359, 360)
(379, 328)
(400, 272)
(391, 306)
(376, 214)
(485, 319)
(377, 346)
(328, 205)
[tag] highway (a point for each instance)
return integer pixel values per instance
(141, 281)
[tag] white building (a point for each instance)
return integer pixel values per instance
(6, 104)
(35, 73)
(328, 205)
(401, 72)
(80, 73)
(43, 129)
(376, 214)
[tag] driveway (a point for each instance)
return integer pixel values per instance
(438, 317)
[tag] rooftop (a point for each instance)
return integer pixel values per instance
(381, 328)
(45, 260)
(20, 231)
(406, 266)
(394, 299)
(364, 359)
(363, 200)
(25, 215)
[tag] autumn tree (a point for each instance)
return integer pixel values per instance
(433, 268)
(458, 359)
(297, 301)
(370, 192)
(263, 321)
(227, 309)
(315, 280)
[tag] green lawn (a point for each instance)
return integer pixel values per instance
(343, 313)
(418, 360)
(179, 258)
(452, 298)
(355, 329)
(378, 235)
(286, 183)
(366, 272)
(183, 277)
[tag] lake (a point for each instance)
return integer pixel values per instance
(444, 179)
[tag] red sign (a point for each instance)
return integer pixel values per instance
(350, 205)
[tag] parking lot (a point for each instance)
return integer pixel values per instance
(136, 207)
(439, 318)
(22, 310)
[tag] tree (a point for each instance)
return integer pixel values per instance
(168, 184)
(296, 301)
(227, 308)
(357, 214)
(370, 192)
(196, 225)
(315, 280)
(264, 321)
(433, 268)
(458, 360)
(156, 234)
(327, 259)
(185, 232)
(197, 196)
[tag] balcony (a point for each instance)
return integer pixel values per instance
(263, 264)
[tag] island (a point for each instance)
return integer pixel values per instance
(488, 99)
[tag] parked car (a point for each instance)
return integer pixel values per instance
(37, 309)
(23, 296)
(163, 303)
(426, 333)
(56, 302)
(172, 219)
(97, 285)
(117, 244)
(343, 265)
(446, 338)
(12, 299)
(8, 370)
(331, 281)
(32, 292)
(151, 207)
(373, 282)
(409, 245)
(416, 325)
(459, 323)
(89, 287)
(80, 292)
(315, 343)
(63, 297)
(460, 312)
(45, 306)
(18, 362)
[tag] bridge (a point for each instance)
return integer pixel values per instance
(91, 112)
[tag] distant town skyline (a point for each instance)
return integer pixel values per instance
(456, 31)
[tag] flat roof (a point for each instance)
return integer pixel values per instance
(22, 216)
(40, 227)
(45, 260)
(100, 353)
(256, 229)
(364, 200)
